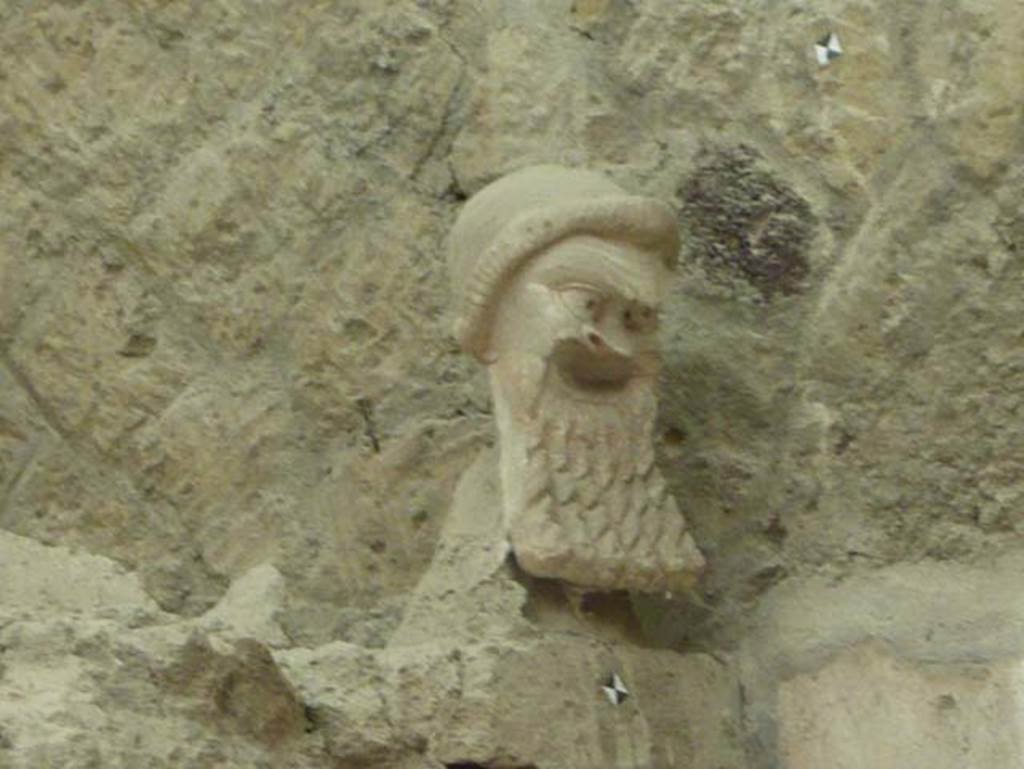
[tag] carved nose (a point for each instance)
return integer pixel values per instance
(602, 344)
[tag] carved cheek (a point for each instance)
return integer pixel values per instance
(530, 320)
(560, 322)
(517, 381)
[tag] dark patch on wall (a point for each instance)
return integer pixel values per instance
(602, 21)
(742, 221)
(138, 346)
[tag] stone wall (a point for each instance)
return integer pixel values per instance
(232, 417)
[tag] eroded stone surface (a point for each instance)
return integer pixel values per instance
(513, 682)
(867, 708)
(39, 579)
(826, 664)
(92, 672)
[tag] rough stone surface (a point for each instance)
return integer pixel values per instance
(858, 669)
(224, 347)
(508, 685)
(44, 579)
(867, 709)
(92, 673)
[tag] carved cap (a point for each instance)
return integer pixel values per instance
(515, 218)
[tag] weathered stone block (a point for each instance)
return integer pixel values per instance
(868, 709)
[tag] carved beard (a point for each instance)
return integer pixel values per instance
(585, 501)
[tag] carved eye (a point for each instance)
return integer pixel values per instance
(584, 303)
(639, 317)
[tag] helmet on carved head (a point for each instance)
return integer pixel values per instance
(522, 214)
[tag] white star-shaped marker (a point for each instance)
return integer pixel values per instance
(615, 690)
(828, 48)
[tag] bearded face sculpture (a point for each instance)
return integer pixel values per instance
(559, 274)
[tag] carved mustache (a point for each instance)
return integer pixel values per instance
(594, 359)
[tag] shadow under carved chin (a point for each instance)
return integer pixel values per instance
(618, 616)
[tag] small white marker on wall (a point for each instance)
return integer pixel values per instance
(615, 690)
(828, 48)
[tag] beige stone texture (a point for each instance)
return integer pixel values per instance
(93, 673)
(37, 578)
(524, 703)
(909, 665)
(502, 687)
(867, 709)
(233, 415)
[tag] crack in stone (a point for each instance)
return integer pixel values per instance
(455, 99)
(48, 414)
